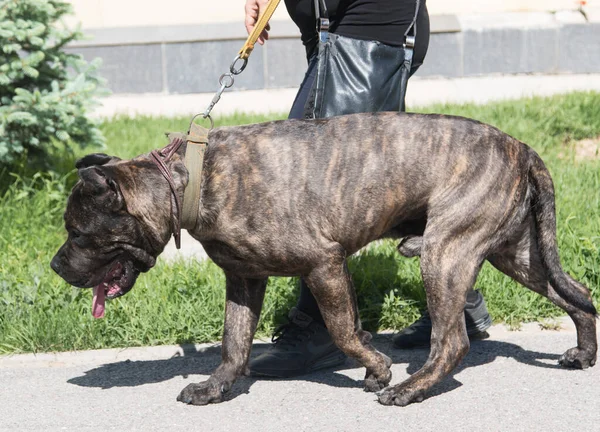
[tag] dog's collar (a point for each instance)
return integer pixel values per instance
(197, 142)
(186, 213)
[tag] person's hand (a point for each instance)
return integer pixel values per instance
(253, 9)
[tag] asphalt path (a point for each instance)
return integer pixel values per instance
(508, 382)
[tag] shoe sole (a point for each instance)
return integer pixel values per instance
(479, 326)
(476, 331)
(334, 359)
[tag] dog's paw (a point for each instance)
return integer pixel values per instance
(400, 396)
(577, 358)
(201, 394)
(374, 383)
(388, 361)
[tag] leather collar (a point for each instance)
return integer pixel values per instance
(184, 215)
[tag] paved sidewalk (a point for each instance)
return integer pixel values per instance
(509, 382)
(421, 92)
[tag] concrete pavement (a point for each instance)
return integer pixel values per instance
(421, 92)
(510, 381)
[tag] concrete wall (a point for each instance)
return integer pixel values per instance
(134, 13)
(185, 47)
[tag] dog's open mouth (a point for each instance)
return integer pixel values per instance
(117, 282)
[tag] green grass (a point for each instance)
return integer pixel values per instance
(183, 301)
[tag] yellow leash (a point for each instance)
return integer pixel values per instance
(197, 136)
(261, 24)
(226, 80)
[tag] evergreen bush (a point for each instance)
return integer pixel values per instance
(45, 91)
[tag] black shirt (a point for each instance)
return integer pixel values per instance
(382, 20)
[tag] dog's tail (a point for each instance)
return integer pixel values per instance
(542, 205)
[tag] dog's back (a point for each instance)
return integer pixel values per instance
(363, 173)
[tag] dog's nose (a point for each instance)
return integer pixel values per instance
(55, 264)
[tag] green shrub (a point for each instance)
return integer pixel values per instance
(45, 92)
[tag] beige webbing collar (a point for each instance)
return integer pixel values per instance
(261, 24)
(197, 141)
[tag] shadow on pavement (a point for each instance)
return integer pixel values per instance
(481, 352)
(202, 362)
(129, 373)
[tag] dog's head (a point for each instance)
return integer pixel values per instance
(118, 221)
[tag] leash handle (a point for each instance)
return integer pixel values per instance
(261, 24)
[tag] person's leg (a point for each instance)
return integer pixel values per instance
(477, 317)
(297, 110)
(303, 344)
(306, 303)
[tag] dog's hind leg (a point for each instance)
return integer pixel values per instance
(449, 267)
(521, 260)
(332, 287)
(242, 310)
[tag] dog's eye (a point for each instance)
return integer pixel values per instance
(79, 239)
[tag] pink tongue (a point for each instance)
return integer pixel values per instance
(98, 301)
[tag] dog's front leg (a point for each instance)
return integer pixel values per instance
(244, 302)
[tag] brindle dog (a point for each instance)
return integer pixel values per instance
(298, 197)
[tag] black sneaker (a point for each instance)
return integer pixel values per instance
(418, 334)
(299, 347)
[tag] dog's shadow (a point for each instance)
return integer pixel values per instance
(378, 274)
(203, 361)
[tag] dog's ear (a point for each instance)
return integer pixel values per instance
(98, 181)
(95, 159)
(179, 173)
(95, 179)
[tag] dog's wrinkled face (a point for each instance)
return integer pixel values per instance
(106, 247)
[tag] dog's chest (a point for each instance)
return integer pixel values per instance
(245, 261)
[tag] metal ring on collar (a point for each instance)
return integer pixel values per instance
(212, 123)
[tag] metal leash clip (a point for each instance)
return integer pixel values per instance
(225, 81)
